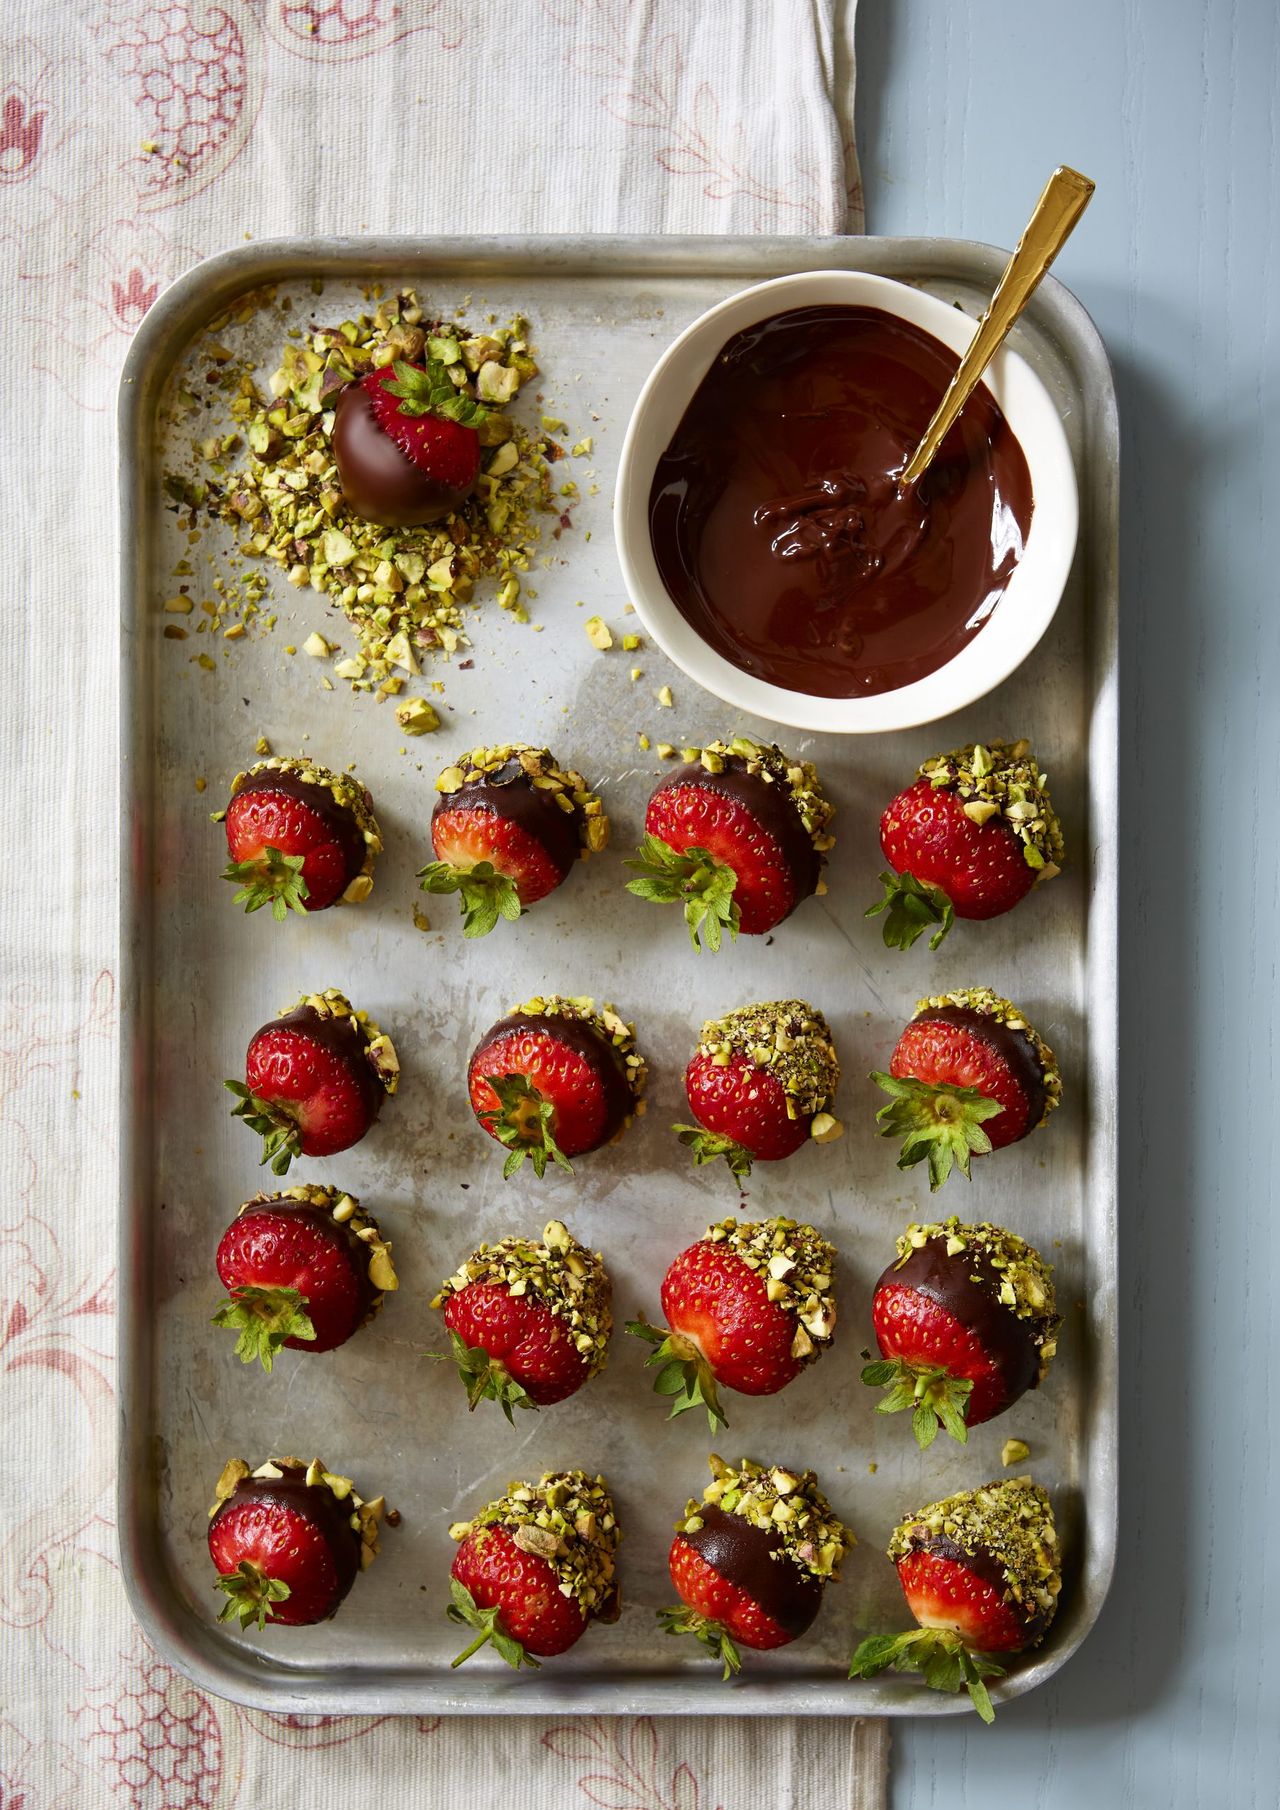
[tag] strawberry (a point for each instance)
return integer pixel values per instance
(287, 1541)
(969, 839)
(760, 1085)
(507, 830)
(314, 1079)
(529, 1322)
(300, 838)
(746, 1574)
(968, 1075)
(981, 1575)
(303, 1270)
(966, 1323)
(747, 1307)
(555, 1079)
(405, 444)
(536, 1567)
(738, 836)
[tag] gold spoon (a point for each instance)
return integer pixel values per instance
(1065, 197)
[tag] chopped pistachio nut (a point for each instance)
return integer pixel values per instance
(378, 1046)
(1002, 779)
(347, 792)
(345, 1210)
(812, 1535)
(630, 643)
(1005, 1264)
(1012, 1521)
(567, 1277)
(788, 1038)
(665, 698)
(599, 634)
(502, 765)
(1004, 1012)
(1013, 1451)
(798, 1267)
(813, 807)
(567, 1518)
(606, 1023)
(316, 645)
(363, 1519)
(416, 717)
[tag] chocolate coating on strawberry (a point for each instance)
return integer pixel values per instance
(761, 1084)
(738, 835)
(288, 1540)
(537, 1566)
(556, 1078)
(1004, 1534)
(304, 1270)
(529, 1320)
(508, 828)
(405, 444)
(300, 838)
(744, 1555)
(315, 1079)
(969, 839)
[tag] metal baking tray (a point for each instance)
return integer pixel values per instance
(198, 977)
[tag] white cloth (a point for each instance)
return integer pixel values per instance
(137, 136)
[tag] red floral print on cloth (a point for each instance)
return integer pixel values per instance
(156, 1739)
(625, 1767)
(343, 30)
(22, 124)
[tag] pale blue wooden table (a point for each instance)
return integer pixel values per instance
(1173, 106)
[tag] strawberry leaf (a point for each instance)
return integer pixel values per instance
(428, 389)
(938, 1124)
(466, 1610)
(250, 1594)
(270, 879)
(279, 1133)
(522, 1122)
(484, 1378)
(911, 909)
(935, 1397)
(264, 1318)
(680, 1619)
(683, 1373)
(694, 879)
(485, 893)
(940, 1657)
(710, 1146)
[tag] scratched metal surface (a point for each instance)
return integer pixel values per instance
(200, 977)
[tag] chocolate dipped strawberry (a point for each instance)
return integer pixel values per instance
(981, 1575)
(314, 1079)
(535, 1568)
(508, 828)
(968, 1075)
(968, 839)
(966, 1323)
(287, 1541)
(405, 443)
(738, 835)
(747, 1307)
(751, 1560)
(303, 1271)
(529, 1320)
(761, 1085)
(555, 1079)
(299, 837)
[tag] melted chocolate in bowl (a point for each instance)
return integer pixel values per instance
(776, 520)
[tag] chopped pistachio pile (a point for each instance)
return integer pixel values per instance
(345, 1210)
(1012, 1521)
(791, 1041)
(564, 1275)
(365, 1516)
(568, 1519)
(1004, 1012)
(798, 1266)
(788, 1503)
(606, 1022)
(347, 792)
(569, 789)
(1004, 1263)
(379, 1048)
(1002, 779)
(274, 480)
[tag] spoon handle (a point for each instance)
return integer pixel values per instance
(1065, 197)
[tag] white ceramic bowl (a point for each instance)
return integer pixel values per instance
(1018, 621)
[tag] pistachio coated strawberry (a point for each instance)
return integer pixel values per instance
(969, 839)
(287, 1541)
(303, 1271)
(406, 445)
(738, 835)
(981, 1574)
(761, 1085)
(747, 1308)
(529, 1320)
(968, 1075)
(536, 1567)
(966, 1323)
(555, 1079)
(299, 837)
(508, 828)
(751, 1560)
(314, 1079)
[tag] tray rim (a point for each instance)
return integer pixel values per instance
(177, 314)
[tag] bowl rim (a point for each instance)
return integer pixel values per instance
(1030, 599)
